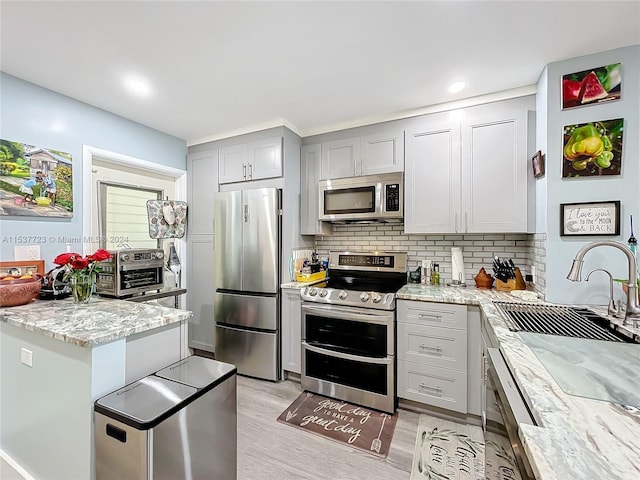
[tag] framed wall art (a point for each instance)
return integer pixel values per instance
(537, 164)
(35, 181)
(592, 149)
(602, 84)
(22, 267)
(593, 218)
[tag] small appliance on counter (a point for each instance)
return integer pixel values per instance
(54, 287)
(130, 271)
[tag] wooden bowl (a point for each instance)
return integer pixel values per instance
(483, 279)
(19, 291)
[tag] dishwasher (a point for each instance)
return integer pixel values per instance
(180, 422)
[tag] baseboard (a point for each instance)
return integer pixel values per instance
(445, 414)
(13, 464)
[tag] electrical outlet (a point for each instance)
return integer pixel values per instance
(26, 357)
(26, 252)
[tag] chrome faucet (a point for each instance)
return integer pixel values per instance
(612, 309)
(632, 310)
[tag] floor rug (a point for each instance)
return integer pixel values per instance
(358, 427)
(447, 450)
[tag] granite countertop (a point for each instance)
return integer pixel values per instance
(97, 322)
(576, 437)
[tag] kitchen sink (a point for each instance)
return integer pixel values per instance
(559, 320)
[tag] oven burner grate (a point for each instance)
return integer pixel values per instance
(559, 320)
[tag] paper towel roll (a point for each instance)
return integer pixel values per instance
(457, 265)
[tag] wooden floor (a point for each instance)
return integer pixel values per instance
(269, 450)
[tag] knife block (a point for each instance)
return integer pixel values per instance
(512, 284)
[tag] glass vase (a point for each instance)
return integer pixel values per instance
(81, 289)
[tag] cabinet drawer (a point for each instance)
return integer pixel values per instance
(434, 386)
(435, 314)
(440, 347)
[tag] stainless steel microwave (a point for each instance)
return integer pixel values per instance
(369, 198)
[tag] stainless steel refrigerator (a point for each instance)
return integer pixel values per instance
(247, 275)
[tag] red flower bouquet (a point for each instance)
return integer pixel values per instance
(78, 266)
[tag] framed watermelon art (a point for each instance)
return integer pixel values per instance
(598, 85)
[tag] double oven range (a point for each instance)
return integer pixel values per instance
(349, 329)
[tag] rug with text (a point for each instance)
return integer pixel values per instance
(447, 450)
(358, 427)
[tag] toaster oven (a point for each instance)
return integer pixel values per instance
(130, 271)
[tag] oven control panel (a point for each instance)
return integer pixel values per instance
(379, 301)
(368, 261)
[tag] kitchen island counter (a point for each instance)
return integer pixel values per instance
(57, 358)
(576, 437)
(95, 323)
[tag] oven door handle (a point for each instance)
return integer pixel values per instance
(347, 356)
(353, 314)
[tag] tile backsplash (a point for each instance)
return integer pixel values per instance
(478, 250)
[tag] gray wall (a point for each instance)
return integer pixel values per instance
(36, 116)
(625, 187)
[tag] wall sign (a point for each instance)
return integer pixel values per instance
(597, 218)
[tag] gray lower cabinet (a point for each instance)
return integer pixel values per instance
(200, 291)
(291, 319)
(432, 354)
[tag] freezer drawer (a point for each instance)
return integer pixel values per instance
(235, 309)
(255, 354)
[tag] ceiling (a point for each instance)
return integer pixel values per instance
(220, 68)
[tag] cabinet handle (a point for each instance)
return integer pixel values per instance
(427, 347)
(455, 222)
(250, 171)
(437, 318)
(424, 386)
(246, 213)
(244, 171)
(466, 228)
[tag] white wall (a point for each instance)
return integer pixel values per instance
(624, 187)
(36, 116)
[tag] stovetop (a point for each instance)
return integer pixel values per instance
(360, 279)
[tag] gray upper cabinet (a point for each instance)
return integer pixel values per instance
(475, 170)
(432, 176)
(379, 152)
(382, 152)
(310, 166)
(339, 158)
(232, 163)
(202, 171)
(251, 161)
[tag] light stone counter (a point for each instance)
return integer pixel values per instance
(98, 322)
(576, 437)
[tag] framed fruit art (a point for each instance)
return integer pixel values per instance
(602, 84)
(592, 149)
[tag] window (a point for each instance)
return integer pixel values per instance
(122, 216)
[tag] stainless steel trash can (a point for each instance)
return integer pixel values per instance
(179, 423)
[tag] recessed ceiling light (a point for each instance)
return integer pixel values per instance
(138, 86)
(456, 87)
